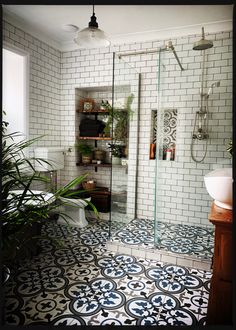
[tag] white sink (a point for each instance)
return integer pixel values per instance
(219, 186)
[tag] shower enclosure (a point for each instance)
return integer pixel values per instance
(179, 229)
(176, 227)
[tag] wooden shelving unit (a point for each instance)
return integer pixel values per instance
(93, 165)
(93, 112)
(94, 138)
(101, 165)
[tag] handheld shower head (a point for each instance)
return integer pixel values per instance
(215, 84)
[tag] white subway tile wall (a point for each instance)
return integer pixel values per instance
(55, 77)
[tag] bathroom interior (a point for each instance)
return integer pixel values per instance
(172, 87)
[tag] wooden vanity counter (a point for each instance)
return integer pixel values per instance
(221, 290)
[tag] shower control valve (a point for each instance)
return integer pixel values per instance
(200, 136)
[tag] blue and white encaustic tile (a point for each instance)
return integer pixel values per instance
(81, 283)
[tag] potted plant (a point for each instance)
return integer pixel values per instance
(86, 152)
(120, 119)
(117, 152)
(22, 218)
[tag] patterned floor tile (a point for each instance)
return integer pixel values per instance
(110, 318)
(87, 298)
(180, 239)
(119, 266)
(195, 301)
(13, 307)
(79, 282)
(45, 307)
(81, 271)
(175, 316)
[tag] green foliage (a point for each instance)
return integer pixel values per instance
(21, 211)
(116, 150)
(119, 119)
(84, 148)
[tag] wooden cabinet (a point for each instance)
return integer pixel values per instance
(221, 290)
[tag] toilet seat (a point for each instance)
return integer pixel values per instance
(75, 201)
(35, 197)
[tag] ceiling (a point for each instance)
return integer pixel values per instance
(122, 24)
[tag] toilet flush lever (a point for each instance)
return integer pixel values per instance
(67, 150)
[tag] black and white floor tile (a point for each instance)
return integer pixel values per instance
(181, 239)
(78, 282)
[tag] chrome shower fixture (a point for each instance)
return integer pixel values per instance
(203, 43)
(215, 84)
(200, 129)
(169, 46)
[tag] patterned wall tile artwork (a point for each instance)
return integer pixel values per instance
(169, 127)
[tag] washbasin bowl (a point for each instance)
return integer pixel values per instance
(219, 186)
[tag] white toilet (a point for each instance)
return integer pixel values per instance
(73, 208)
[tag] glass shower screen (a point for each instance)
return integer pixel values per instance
(124, 144)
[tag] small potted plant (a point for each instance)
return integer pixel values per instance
(117, 152)
(119, 119)
(86, 152)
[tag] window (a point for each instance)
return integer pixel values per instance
(14, 91)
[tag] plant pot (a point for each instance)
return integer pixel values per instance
(99, 155)
(115, 160)
(86, 159)
(89, 185)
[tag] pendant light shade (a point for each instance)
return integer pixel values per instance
(92, 36)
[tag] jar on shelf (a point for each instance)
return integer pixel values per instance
(172, 148)
(152, 153)
(99, 154)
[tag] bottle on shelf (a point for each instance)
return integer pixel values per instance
(168, 154)
(152, 151)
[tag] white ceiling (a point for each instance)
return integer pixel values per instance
(122, 24)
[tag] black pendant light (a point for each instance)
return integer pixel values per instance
(92, 36)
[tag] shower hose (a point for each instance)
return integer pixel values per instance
(206, 138)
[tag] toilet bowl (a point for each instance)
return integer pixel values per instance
(74, 212)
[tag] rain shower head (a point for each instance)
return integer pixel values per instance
(203, 43)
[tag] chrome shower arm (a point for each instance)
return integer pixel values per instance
(167, 47)
(176, 56)
(170, 46)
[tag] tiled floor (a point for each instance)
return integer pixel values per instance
(181, 239)
(82, 283)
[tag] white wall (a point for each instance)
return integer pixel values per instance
(55, 77)
(44, 85)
